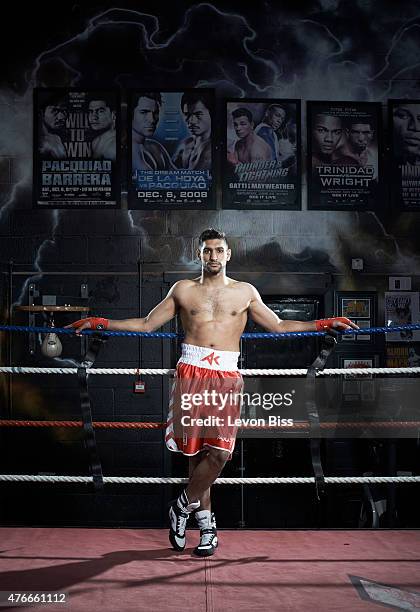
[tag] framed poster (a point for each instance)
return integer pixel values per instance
(404, 161)
(261, 165)
(363, 323)
(402, 308)
(358, 387)
(357, 362)
(361, 308)
(403, 355)
(76, 148)
(171, 149)
(344, 155)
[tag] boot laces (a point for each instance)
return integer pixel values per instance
(181, 523)
(206, 536)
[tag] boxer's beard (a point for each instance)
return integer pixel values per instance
(213, 269)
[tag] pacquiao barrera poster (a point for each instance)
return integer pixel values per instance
(344, 155)
(404, 119)
(171, 149)
(76, 148)
(261, 166)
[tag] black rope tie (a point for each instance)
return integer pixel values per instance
(328, 344)
(85, 405)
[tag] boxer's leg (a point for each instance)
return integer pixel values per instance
(206, 472)
(203, 474)
(205, 502)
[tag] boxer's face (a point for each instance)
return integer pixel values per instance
(242, 126)
(100, 115)
(197, 118)
(214, 255)
(146, 117)
(55, 116)
(327, 133)
(360, 136)
(276, 117)
(407, 128)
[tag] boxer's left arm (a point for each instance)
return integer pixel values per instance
(262, 315)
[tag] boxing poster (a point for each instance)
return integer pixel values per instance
(261, 165)
(171, 149)
(344, 155)
(76, 148)
(404, 163)
(403, 355)
(361, 307)
(402, 308)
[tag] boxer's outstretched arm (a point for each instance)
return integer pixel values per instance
(161, 314)
(262, 315)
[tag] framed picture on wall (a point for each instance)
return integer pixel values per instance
(363, 323)
(344, 155)
(360, 307)
(356, 362)
(402, 355)
(171, 149)
(76, 148)
(402, 308)
(352, 307)
(355, 386)
(262, 153)
(404, 159)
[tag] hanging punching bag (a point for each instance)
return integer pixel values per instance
(51, 345)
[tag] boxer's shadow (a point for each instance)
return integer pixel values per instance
(59, 578)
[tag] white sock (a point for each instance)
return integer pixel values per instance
(203, 518)
(185, 504)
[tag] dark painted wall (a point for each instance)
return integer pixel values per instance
(326, 49)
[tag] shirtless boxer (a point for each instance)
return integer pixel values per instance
(194, 152)
(53, 115)
(101, 117)
(147, 153)
(249, 147)
(213, 309)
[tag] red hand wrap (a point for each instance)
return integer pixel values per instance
(94, 322)
(322, 324)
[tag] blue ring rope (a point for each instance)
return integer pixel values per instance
(246, 336)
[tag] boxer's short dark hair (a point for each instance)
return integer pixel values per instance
(211, 234)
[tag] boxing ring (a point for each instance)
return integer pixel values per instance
(135, 569)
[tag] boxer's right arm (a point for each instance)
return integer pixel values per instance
(161, 314)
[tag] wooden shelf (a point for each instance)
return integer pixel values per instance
(39, 308)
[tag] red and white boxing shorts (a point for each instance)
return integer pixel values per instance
(205, 403)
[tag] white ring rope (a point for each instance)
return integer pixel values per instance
(247, 372)
(226, 481)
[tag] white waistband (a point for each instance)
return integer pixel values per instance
(211, 359)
